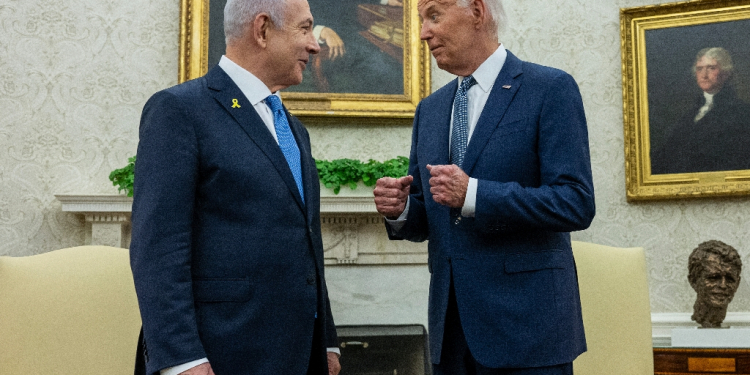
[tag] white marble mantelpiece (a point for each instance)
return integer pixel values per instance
(107, 217)
(352, 229)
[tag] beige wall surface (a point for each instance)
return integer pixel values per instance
(74, 75)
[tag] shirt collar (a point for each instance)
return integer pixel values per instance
(254, 89)
(487, 73)
(709, 97)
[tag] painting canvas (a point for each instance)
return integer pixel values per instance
(685, 136)
(686, 75)
(371, 63)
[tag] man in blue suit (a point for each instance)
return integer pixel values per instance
(499, 175)
(227, 254)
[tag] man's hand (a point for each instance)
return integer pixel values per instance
(202, 369)
(395, 3)
(448, 185)
(335, 45)
(333, 364)
(391, 195)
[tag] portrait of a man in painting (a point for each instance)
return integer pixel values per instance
(686, 96)
(714, 133)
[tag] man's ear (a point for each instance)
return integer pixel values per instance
(260, 26)
(479, 11)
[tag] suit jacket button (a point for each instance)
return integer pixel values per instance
(310, 280)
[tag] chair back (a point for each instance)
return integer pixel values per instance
(69, 311)
(616, 310)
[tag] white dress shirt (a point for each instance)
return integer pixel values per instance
(477, 97)
(254, 89)
(706, 107)
(256, 93)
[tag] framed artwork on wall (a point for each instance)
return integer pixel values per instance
(372, 62)
(686, 99)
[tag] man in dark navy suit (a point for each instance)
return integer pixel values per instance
(499, 175)
(227, 255)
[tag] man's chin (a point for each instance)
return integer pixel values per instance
(719, 301)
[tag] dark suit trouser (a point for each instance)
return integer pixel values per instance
(456, 359)
(318, 363)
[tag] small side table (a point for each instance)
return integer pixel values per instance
(689, 361)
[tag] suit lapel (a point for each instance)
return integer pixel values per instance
(494, 110)
(226, 93)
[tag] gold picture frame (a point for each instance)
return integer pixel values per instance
(672, 152)
(410, 53)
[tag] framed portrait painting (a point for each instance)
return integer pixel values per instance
(371, 63)
(686, 99)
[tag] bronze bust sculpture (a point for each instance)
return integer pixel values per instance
(714, 273)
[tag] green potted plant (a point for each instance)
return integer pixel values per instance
(333, 174)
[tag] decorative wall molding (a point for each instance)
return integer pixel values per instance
(95, 203)
(353, 231)
(347, 204)
(662, 324)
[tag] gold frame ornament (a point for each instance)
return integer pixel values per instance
(685, 21)
(193, 63)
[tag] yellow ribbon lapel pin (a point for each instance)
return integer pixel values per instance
(236, 103)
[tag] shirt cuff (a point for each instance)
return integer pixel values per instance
(316, 33)
(383, 2)
(181, 368)
(470, 202)
(397, 224)
(335, 350)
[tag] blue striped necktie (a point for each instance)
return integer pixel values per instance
(460, 133)
(286, 141)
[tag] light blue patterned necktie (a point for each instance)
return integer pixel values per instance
(460, 133)
(286, 141)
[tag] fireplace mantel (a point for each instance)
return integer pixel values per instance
(353, 231)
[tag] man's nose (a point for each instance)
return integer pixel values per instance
(313, 47)
(723, 283)
(425, 32)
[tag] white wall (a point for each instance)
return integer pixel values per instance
(74, 75)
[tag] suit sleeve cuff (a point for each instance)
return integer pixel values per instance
(397, 224)
(470, 202)
(334, 350)
(182, 368)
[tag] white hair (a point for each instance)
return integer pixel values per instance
(239, 13)
(719, 54)
(497, 13)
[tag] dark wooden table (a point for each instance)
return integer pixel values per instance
(690, 361)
